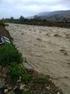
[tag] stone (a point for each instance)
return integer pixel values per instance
(5, 90)
(22, 86)
(58, 92)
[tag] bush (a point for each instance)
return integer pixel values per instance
(26, 77)
(1, 23)
(16, 71)
(9, 54)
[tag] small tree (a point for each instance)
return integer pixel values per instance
(21, 19)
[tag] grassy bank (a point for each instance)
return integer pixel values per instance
(39, 22)
(16, 73)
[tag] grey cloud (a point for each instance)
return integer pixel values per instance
(30, 7)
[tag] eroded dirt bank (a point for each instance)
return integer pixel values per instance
(47, 49)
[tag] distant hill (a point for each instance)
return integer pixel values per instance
(55, 16)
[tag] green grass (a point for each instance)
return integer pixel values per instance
(9, 54)
(16, 71)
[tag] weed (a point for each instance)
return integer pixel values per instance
(9, 54)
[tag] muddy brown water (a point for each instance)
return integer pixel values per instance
(47, 50)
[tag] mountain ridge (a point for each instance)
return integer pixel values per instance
(55, 15)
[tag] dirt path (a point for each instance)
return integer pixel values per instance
(47, 49)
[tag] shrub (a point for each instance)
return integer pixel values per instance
(9, 54)
(16, 71)
(26, 77)
(1, 23)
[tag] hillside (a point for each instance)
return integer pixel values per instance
(55, 16)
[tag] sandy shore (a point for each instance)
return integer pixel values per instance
(47, 49)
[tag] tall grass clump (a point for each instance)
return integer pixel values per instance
(17, 71)
(9, 54)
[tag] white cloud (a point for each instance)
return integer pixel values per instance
(30, 7)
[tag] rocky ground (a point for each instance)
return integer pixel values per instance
(4, 32)
(47, 49)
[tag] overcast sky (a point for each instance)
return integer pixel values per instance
(26, 8)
